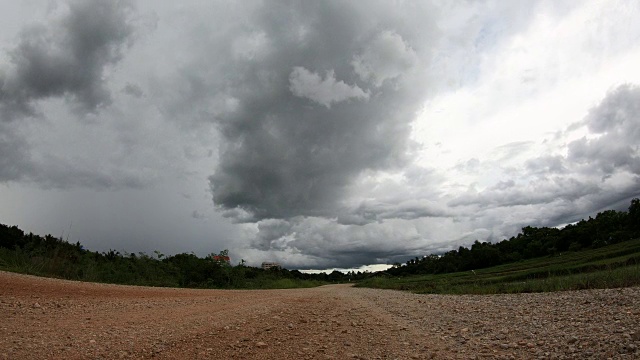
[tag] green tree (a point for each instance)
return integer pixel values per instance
(634, 215)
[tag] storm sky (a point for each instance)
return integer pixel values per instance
(319, 134)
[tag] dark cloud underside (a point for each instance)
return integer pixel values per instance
(330, 93)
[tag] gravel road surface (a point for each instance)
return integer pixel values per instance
(55, 319)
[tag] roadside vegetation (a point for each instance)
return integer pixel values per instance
(611, 266)
(601, 252)
(55, 257)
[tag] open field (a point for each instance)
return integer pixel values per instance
(43, 318)
(607, 267)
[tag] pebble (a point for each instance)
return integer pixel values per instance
(525, 326)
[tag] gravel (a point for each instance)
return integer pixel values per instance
(56, 319)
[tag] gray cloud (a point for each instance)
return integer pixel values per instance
(15, 161)
(394, 208)
(272, 234)
(387, 56)
(616, 123)
(133, 90)
(54, 172)
(285, 156)
(547, 164)
(319, 243)
(195, 214)
(66, 58)
(534, 192)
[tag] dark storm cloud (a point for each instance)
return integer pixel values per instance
(322, 92)
(367, 251)
(271, 233)
(312, 242)
(320, 243)
(67, 57)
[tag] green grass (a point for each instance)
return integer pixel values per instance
(607, 267)
(18, 261)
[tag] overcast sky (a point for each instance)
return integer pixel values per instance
(318, 134)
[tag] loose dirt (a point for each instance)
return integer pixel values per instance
(55, 319)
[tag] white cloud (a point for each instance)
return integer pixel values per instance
(529, 86)
(306, 84)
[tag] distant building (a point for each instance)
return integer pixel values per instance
(270, 264)
(222, 259)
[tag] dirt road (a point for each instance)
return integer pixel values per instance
(46, 318)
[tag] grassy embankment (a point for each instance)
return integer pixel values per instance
(611, 266)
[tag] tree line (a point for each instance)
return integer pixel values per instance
(56, 257)
(608, 227)
(51, 256)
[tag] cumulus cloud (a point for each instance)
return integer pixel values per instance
(325, 91)
(598, 171)
(67, 57)
(299, 171)
(283, 157)
(615, 126)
